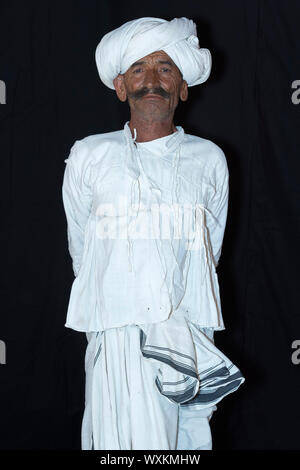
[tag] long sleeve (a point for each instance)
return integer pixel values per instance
(218, 205)
(77, 200)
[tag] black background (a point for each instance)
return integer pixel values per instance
(54, 97)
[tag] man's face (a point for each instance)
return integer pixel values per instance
(153, 86)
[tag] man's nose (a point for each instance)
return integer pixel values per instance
(151, 78)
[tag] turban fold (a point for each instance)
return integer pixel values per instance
(120, 48)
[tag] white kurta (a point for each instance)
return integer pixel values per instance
(153, 377)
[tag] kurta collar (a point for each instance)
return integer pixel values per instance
(162, 146)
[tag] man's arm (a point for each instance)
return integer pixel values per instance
(218, 205)
(77, 200)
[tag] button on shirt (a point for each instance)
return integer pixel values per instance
(145, 225)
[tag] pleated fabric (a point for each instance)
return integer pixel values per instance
(153, 387)
(124, 408)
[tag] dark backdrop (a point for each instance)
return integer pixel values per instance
(54, 97)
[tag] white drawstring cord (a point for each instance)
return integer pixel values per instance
(131, 148)
(200, 241)
(162, 258)
(176, 213)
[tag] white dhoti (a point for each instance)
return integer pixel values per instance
(153, 387)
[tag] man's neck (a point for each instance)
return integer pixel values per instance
(148, 130)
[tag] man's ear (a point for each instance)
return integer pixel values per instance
(120, 87)
(184, 91)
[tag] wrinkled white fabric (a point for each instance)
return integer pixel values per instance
(140, 391)
(149, 307)
(120, 48)
(152, 277)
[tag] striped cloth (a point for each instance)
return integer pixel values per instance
(193, 372)
(141, 378)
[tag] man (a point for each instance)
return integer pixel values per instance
(145, 293)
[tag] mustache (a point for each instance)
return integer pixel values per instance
(136, 95)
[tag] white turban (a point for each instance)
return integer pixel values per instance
(120, 48)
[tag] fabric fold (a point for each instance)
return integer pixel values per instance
(192, 372)
(141, 380)
(177, 377)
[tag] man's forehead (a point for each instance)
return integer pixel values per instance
(158, 56)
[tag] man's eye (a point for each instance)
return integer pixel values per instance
(137, 70)
(165, 69)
